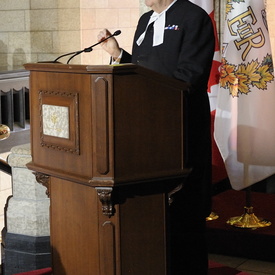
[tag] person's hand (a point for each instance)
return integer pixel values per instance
(110, 45)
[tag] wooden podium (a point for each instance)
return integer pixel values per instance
(108, 143)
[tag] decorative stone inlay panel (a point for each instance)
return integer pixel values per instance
(55, 121)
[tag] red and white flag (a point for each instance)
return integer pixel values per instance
(244, 124)
(213, 83)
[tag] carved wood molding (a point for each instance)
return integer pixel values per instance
(44, 180)
(105, 197)
(107, 242)
(101, 121)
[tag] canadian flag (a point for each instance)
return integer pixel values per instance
(213, 83)
(218, 168)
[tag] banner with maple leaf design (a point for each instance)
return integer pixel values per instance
(244, 123)
(213, 83)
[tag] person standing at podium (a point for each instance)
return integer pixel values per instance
(176, 38)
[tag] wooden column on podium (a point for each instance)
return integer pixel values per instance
(108, 143)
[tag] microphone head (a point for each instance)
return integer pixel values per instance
(118, 32)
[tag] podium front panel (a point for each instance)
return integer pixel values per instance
(108, 127)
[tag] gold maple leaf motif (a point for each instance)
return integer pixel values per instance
(251, 70)
(234, 88)
(265, 76)
(228, 7)
(227, 74)
(239, 78)
(239, 86)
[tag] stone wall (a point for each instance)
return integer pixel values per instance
(38, 30)
(111, 14)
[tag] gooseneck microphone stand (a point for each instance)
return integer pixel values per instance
(89, 49)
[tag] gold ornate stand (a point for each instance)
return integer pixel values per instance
(248, 219)
(213, 216)
(4, 131)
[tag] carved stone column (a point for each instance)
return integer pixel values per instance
(26, 236)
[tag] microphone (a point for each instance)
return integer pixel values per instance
(89, 49)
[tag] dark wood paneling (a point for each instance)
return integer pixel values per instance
(74, 228)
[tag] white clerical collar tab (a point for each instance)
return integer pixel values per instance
(159, 25)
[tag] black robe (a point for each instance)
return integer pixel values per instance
(186, 54)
